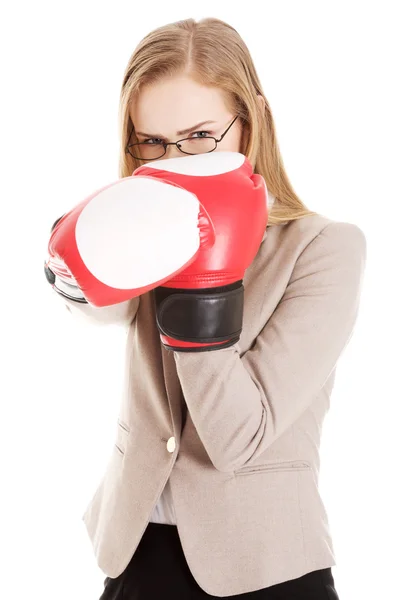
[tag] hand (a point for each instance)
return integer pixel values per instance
(126, 239)
(201, 308)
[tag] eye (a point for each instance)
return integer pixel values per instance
(207, 133)
(152, 140)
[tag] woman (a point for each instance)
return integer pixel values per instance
(212, 486)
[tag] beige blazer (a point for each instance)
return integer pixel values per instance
(237, 431)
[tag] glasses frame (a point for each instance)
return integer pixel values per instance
(166, 144)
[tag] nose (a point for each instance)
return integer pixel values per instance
(173, 152)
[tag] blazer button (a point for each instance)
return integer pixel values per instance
(171, 444)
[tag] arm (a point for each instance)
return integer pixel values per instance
(122, 314)
(241, 405)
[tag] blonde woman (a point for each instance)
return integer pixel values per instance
(212, 487)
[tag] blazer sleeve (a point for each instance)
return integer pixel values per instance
(122, 314)
(241, 404)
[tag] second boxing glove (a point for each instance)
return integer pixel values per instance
(201, 308)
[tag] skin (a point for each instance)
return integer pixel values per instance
(171, 105)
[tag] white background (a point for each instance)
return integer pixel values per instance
(330, 73)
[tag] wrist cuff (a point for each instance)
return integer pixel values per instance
(202, 316)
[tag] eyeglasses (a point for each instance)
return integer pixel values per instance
(200, 145)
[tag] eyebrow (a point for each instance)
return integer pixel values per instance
(182, 132)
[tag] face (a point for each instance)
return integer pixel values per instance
(165, 109)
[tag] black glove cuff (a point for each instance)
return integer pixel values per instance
(202, 316)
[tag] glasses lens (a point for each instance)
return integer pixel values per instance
(197, 145)
(146, 151)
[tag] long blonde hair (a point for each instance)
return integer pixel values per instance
(213, 54)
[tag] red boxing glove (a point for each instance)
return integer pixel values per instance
(124, 240)
(201, 308)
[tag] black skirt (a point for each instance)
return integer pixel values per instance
(158, 569)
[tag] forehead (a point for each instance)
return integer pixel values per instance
(176, 103)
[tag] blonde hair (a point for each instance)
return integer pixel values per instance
(213, 54)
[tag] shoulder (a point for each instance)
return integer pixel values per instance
(313, 251)
(318, 232)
